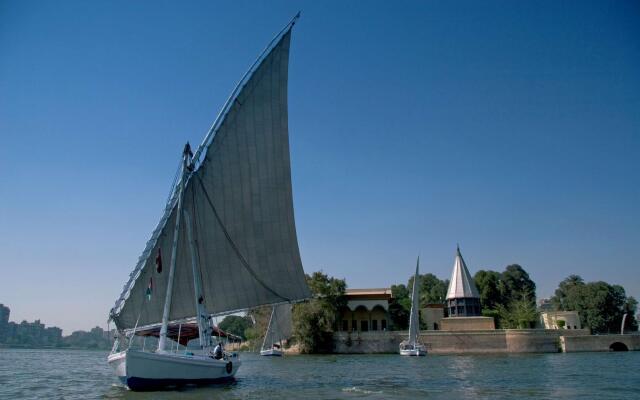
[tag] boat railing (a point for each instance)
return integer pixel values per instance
(149, 345)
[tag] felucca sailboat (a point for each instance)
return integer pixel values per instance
(412, 346)
(279, 329)
(227, 231)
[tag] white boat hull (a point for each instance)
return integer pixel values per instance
(151, 371)
(272, 352)
(416, 351)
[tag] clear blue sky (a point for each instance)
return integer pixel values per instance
(512, 128)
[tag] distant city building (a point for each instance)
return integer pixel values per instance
(463, 301)
(4, 321)
(366, 310)
(34, 334)
(560, 320)
(27, 333)
(4, 315)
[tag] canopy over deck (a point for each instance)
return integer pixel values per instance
(186, 331)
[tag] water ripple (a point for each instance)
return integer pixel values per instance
(73, 374)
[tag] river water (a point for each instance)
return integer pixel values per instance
(77, 374)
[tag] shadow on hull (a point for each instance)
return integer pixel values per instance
(148, 385)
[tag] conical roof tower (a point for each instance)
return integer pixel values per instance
(463, 298)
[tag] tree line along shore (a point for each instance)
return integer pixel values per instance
(508, 296)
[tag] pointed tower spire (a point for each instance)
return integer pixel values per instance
(463, 298)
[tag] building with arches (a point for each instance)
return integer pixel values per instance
(366, 310)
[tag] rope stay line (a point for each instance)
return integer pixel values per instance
(234, 246)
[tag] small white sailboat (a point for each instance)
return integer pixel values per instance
(274, 351)
(279, 328)
(412, 346)
(229, 230)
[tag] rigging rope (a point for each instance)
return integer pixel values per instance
(235, 248)
(195, 236)
(133, 334)
(173, 183)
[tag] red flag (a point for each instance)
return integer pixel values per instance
(159, 261)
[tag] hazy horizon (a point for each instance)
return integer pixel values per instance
(510, 128)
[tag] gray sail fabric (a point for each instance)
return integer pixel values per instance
(280, 325)
(414, 320)
(241, 207)
(461, 284)
(283, 321)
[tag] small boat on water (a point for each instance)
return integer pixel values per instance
(412, 346)
(274, 351)
(229, 233)
(279, 328)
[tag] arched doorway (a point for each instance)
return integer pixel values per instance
(378, 318)
(345, 320)
(361, 317)
(618, 346)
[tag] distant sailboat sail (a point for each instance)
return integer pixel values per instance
(414, 320)
(279, 329)
(239, 199)
(412, 347)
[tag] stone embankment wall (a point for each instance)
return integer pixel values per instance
(440, 342)
(600, 343)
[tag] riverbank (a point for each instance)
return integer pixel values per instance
(484, 342)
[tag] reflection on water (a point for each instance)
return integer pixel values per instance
(84, 374)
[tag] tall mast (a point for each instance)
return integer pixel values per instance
(415, 303)
(201, 311)
(186, 159)
(273, 310)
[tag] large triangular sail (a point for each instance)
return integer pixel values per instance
(240, 201)
(414, 321)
